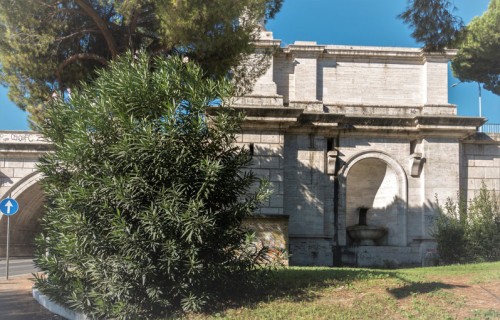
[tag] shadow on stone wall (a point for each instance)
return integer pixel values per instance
(4, 179)
(25, 224)
(308, 197)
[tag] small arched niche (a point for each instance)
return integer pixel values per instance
(377, 182)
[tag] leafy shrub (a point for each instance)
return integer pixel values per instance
(146, 193)
(469, 233)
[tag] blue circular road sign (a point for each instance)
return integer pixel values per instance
(9, 206)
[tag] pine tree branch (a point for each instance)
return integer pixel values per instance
(132, 28)
(101, 24)
(77, 57)
(76, 34)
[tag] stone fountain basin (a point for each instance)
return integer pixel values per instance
(366, 235)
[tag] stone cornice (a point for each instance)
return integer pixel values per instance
(448, 54)
(304, 47)
(22, 137)
(302, 119)
(23, 143)
(364, 52)
(450, 121)
(374, 52)
(267, 43)
(24, 149)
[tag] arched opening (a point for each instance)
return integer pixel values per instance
(25, 224)
(373, 185)
(374, 181)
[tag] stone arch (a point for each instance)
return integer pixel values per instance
(398, 202)
(24, 225)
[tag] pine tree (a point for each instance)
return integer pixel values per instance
(48, 46)
(433, 22)
(478, 57)
(146, 192)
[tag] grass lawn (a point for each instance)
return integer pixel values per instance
(450, 292)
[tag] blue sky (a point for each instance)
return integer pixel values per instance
(345, 22)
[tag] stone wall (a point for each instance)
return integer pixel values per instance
(19, 153)
(267, 163)
(480, 163)
(308, 200)
(271, 231)
(344, 76)
(270, 222)
(385, 106)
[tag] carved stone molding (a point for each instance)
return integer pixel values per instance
(331, 160)
(416, 164)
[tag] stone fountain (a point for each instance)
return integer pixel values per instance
(363, 234)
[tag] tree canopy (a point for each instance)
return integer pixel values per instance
(433, 22)
(146, 204)
(47, 46)
(478, 58)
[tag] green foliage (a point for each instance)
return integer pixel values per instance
(146, 193)
(450, 231)
(470, 234)
(433, 23)
(479, 56)
(51, 45)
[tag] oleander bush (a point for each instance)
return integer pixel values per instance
(146, 193)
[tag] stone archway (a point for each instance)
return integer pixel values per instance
(374, 180)
(25, 224)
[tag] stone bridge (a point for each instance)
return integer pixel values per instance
(19, 179)
(334, 129)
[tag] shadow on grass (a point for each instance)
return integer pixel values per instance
(304, 284)
(298, 285)
(420, 288)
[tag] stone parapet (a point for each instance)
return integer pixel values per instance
(354, 75)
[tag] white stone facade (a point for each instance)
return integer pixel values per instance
(19, 154)
(336, 128)
(362, 127)
(480, 164)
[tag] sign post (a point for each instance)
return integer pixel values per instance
(8, 207)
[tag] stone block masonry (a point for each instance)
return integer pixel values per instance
(267, 163)
(359, 127)
(480, 164)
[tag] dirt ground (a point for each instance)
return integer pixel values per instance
(459, 296)
(482, 296)
(479, 295)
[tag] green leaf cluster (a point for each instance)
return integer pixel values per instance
(48, 46)
(469, 232)
(478, 58)
(433, 23)
(146, 192)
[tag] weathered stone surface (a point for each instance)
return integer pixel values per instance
(381, 113)
(480, 164)
(271, 231)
